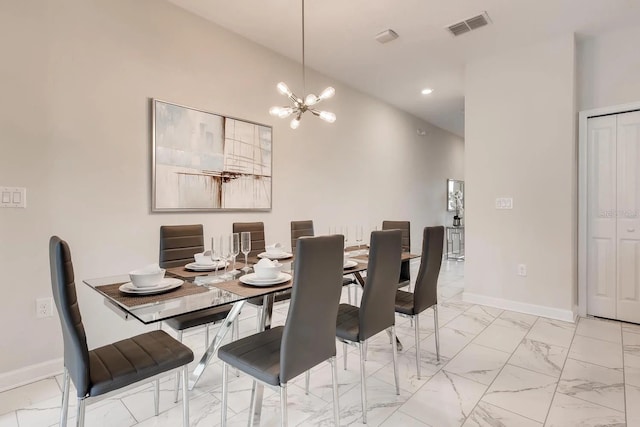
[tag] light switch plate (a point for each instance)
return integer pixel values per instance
(13, 197)
(504, 203)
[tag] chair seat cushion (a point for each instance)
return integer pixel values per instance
(348, 281)
(404, 302)
(128, 361)
(199, 318)
(257, 355)
(347, 325)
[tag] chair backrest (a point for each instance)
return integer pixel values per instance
(76, 352)
(178, 243)
(300, 229)
(309, 335)
(405, 227)
(377, 308)
(426, 288)
(257, 235)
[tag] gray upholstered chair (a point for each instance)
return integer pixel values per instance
(257, 235)
(376, 313)
(97, 372)
(425, 293)
(300, 229)
(305, 229)
(405, 268)
(278, 355)
(178, 243)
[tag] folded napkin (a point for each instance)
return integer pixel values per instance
(276, 247)
(149, 269)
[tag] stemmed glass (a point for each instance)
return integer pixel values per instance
(215, 257)
(235, 250)
(359, 233)
(225, 254)
(245, 247)
(346, 236)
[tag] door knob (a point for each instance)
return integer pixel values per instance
(631, 230)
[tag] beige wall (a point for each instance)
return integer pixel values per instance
(76, 77)
(520, 143)
(608, 69)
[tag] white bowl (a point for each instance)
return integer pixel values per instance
(145, 279)
(265, 271)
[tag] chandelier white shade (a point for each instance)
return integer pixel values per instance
(299, 105)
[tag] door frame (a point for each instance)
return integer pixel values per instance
(583, 136)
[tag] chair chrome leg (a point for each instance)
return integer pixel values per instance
(156, 397)
(206, 335)
(349, 295)
(185, 396)
(235, 334)
(395, 359)
(283, 405)
(344, 354)
(435, 324)
(65, 398)
(223, 408)
(336, 407)
(177, 390)
(366, 348)
(417, 331)
(411, 321)
(307, 379)
(363, 384)
(80, 412)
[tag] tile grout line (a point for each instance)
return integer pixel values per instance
(499, 372)
(555, 391)
(624, 376)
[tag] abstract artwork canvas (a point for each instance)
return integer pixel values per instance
(207, 162)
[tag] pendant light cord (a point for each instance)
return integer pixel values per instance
(304, 77)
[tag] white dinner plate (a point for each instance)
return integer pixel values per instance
(282, 255)
(350, 264)
(252, 280)
(166, 284)
(205, 267)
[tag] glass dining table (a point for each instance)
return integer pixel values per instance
(192, 297)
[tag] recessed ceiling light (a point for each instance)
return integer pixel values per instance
(427, 91)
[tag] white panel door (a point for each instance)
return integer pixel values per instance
(601, 217)
(628, 224)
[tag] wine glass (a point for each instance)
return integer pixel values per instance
(225, 254)
(235, 250)
(245, 247)
(215, 257)
(346, 236)
(359, 233)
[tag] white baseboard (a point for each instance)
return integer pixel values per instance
(30, 374)
(522, 307)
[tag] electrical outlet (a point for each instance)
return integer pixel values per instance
(522, 269)
(44, 307)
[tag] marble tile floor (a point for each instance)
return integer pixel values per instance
(497, 368)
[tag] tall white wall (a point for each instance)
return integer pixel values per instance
(608, 66)
(76, 77)
(520, 143)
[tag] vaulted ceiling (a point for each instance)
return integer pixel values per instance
(340, 40)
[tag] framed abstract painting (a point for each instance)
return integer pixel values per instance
(203, 161)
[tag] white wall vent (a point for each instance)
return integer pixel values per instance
(469, 24)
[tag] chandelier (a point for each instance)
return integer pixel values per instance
(298, 105)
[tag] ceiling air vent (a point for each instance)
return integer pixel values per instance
(469, 24)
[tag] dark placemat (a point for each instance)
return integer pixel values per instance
(247, 291)
(187, 274)
(114, 293)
